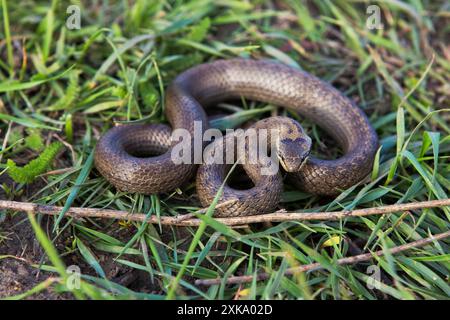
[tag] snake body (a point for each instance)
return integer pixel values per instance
(122, 154)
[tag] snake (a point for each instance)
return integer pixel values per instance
(137, 158)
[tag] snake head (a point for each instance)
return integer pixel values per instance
(293, 153)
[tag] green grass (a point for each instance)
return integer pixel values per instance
(73, 85)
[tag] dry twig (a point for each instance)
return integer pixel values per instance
(270, 217)
(315, 266)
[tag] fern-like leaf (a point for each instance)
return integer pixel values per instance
(71, 94)
(30, 171)
(34, 140)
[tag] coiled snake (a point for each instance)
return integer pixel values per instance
(137, 157)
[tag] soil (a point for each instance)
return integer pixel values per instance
(20, 250)
(16, 273)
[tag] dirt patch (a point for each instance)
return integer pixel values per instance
(20, 250)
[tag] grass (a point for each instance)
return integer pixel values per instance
(72, 85)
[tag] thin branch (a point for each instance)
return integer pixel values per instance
(316, 265)
(270, 217)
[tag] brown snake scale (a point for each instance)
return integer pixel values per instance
(122, 153)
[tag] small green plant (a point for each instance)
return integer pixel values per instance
(30, 171)
(71, 94)
(34, 140)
